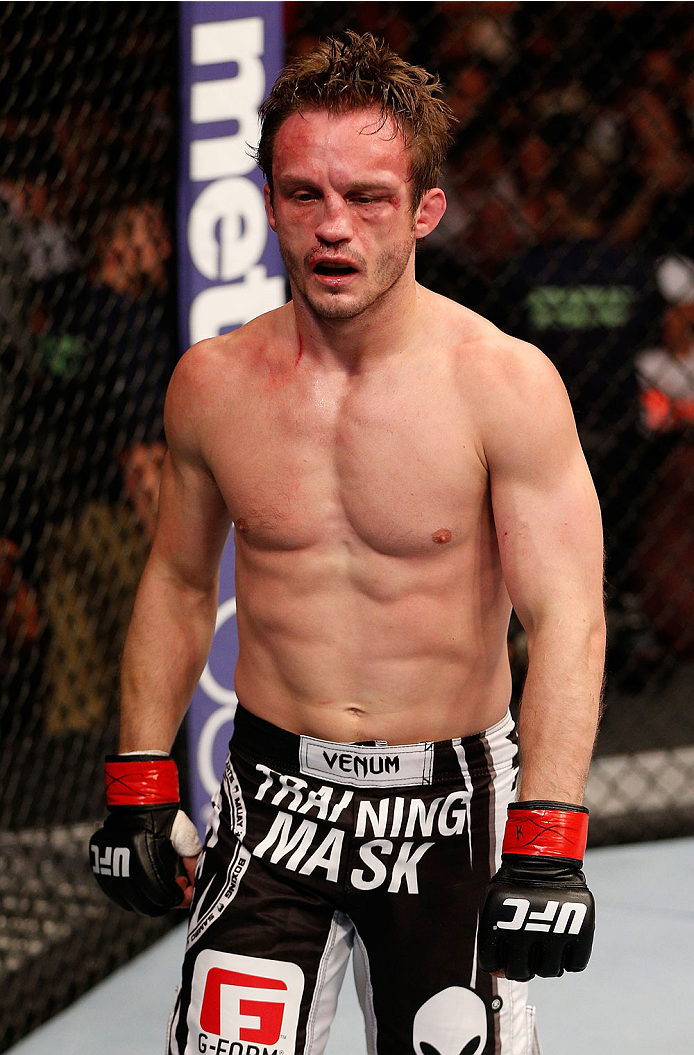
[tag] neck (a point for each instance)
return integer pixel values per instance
(383, 329)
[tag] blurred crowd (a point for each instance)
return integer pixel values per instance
(570, 223)
(87, 343)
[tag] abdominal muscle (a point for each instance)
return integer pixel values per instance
(371, 647)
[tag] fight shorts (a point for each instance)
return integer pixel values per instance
(317, 849)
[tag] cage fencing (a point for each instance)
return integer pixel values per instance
(87, 177)
(570, 223)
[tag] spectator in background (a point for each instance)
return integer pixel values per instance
(468, 88)
(20, 625)
(97, 434)
(659, 170)
(665, 552)
(483, 226)
(534, 162)
(482, 229)
(106, 352)
(664, 555)
(32, 187)
(481, 31)
(666, 372)
(19, 612)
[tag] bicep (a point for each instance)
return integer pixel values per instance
(193, 523)
(546, 511)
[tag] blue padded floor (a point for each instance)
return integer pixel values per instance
(634, 999)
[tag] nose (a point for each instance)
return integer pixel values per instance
(335, 223)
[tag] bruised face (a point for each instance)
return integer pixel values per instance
(342, 209)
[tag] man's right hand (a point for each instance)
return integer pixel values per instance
(135, 855)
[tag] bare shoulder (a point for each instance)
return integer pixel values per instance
(495, 359)
(214, 375)
(220, 361)
(512, 388)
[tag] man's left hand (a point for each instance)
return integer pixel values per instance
(539, 916)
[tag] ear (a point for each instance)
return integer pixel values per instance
(430, 210)
(269, 210)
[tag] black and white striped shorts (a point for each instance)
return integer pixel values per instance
(316, 849)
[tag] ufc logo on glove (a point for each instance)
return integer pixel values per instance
(571, 916)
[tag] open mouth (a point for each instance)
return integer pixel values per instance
(331, 270)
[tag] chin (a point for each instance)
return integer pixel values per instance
(342, 305)
(339, 310)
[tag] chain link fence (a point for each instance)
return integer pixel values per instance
(87, 181)
(570, 223)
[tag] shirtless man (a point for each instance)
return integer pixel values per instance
(398, 474)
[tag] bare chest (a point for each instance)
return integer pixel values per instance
(393, 467)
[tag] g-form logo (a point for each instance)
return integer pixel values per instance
(240, 1003)
(552, 918)
(269, 1013)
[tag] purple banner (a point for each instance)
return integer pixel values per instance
(229, 272)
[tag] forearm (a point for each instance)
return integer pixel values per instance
(165, 651)
(560, 709)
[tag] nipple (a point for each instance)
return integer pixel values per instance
(242, 526)
(441, 536)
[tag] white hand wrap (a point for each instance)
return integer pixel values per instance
(184, 836)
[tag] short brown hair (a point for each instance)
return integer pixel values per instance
(351, 71)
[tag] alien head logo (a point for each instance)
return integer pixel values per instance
(452, 1022)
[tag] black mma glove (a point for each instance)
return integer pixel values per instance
(539, 916)
(135, 855)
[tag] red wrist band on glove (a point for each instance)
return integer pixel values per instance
(552, 831)
(147, 783)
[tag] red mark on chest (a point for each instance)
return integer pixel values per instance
(242, 526)
(441, 536)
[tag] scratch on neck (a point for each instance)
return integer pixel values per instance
(301, 352)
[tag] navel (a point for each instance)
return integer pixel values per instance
(441, 536)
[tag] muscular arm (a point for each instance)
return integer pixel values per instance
(550, 541)
(173, 618)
